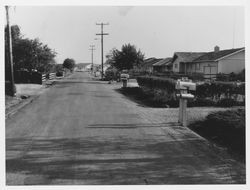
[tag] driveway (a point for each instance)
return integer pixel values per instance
(83, 132)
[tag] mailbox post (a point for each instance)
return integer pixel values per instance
(183, 86)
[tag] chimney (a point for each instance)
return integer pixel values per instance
(216, 48)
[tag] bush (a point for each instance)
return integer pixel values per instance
(230, 119)
(157, 82)
(173, 103)
(201, 102)
(59, 73)
(231, 77)
(111, 74)
(225, 128)
(216, 89)
(24, 76)
(8, 88)
(226, 102)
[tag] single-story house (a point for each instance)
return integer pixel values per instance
(217, 61)
(147, 65)
(163, 65)
(179, 58)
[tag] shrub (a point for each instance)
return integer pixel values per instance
(226, 102)
(173, 103)
(226, 128)
(8, 88)
(234, 119)
(216, 89)
(157, 82)
(24, 76)
(231, 77)
(59, 73)
(201, 102)
(111, 74)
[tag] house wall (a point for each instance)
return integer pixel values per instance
(199, 67)
(176, 65)
(234, 63)
(209, 69)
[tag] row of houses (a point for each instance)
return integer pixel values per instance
(207, 63)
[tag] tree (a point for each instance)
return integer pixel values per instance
(127, 58)
(69, 64)
(30, 53)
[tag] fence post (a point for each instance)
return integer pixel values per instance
(52, 76)
(43, 79)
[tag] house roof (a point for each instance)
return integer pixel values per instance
(213, 56)
(186, 56)
(163, 62)
(150, 61)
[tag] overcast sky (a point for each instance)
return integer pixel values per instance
(157, 31)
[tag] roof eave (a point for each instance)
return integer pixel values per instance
(243, 49)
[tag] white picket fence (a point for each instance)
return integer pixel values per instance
(52, 76)
(43, 78)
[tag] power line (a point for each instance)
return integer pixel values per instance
(102, 34)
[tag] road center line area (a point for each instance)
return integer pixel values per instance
(83, 132)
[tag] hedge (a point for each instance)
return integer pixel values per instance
(213, 89)
(23, 76)
(157, 82)
(216, 89)
(221, 94)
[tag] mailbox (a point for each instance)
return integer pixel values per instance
(185, 96)
(124, 79)
(184, 85)
(124, 76)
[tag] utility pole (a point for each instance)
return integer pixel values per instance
(102, 34)
(10, 56)
(92, 50)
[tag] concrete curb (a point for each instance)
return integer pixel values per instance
(20, 106)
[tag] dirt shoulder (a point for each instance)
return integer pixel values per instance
(24, 95)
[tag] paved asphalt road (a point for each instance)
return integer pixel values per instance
(82, 131)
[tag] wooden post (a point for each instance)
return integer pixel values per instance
(180, 110)
(184, 113)
(9, 55)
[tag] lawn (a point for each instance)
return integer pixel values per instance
(23, 91)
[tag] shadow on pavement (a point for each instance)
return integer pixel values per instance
(118, 161)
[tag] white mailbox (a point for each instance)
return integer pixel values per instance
(185, 96)
(184, 85)
(124, 79)
(124, 76)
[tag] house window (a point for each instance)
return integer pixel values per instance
(197, 66)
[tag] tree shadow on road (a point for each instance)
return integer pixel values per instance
(119, 161)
